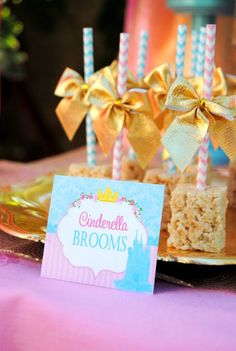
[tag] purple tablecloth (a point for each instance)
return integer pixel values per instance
(42, 314)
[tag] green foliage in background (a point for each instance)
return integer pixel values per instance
(12, 58)
(42, 13)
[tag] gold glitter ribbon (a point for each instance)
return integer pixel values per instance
(131, 83)
(223, 84)
(197, 117)
(231, 84)
(73, 107)
(133, 112)
(219, 85)
(159, 81)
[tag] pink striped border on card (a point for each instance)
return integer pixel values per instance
(57, 266)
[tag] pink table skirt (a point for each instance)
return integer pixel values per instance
(42, 314)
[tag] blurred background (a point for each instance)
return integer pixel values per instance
(39, 38)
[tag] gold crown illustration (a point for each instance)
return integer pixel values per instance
(107, 196)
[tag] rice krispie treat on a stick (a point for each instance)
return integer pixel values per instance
(83, 170)
(232, 184)
(198, 218)
(159, 176)
(189, 176)
(131, 170)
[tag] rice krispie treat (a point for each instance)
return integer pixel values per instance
(232, 184)
(83, 170)
(198, 218)
(160, 176)
(131, 170)
(189, 176)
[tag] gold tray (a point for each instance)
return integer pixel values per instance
(24, 211)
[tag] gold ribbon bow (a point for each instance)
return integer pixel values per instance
(131, 83)
(231, 83)
(72, 109)
(159, 81)
(198, 116)
(219, 86)
(133, 111)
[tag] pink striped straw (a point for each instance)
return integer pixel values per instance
(121, 88)
(141, 66)
(207, 92)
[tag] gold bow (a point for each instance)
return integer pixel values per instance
(72, 109)
(199, 116)
(131, 83)
(231, 83)
(159, 81)
(219, 86)
(133, 111)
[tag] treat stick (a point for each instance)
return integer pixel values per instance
(194, 50)
(179, 71)
(199, 70)
(200, 58)
(180, 50)
(142, 54)
(121, 88)
(88, 71)
(141, 65)
(207, 92)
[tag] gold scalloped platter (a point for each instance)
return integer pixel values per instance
(24, 208)
(24, 211)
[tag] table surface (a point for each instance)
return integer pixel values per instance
(44, 314)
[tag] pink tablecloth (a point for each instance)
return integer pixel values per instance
(42, 314)
(39, 314)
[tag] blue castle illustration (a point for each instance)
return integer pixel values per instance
(137, 269)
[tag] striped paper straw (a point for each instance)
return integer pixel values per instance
(194, 48)
(207, 92)
(179, 71)
(88, 71)
(142, 54)
(180, 50)
(121, 88)
(201, 53)
(141, 65)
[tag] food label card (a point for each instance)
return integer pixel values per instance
(103, 232)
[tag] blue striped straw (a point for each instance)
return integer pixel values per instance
(194, 48)
(141, 66)
(201, 53)
(142, 54)
(180, 50)
(88, 71)
(179, 71)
